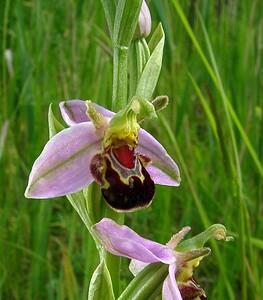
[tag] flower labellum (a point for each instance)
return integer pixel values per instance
(126, 185)
(108, 148)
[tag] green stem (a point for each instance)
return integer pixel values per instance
(120, 81)
(114, 262)
(126, 17)
(119, 100)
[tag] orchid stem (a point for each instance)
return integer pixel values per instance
(119, 100)
(114, 262)
(120, 81)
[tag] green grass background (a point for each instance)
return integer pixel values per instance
(212, 73)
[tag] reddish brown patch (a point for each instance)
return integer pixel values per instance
(125, 156)
(96, 167)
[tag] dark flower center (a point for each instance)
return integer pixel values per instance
(125, 183)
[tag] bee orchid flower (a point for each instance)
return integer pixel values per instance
(181, 257)
(108, 148)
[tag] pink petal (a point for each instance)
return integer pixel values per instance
(170, 288)
(137, 266)
(163, 169)
(122, 241)
(74, 111)
(63, 166)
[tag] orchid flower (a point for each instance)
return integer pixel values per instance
(108, 148)
(181, 259)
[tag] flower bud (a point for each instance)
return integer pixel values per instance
(144, 24)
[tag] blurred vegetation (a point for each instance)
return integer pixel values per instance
(54, 50)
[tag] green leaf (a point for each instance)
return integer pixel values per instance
(100, 284)
(139, 54)
(156, 37)
(151, 72)
(110, 10)
(53, 124)
(127, 14)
